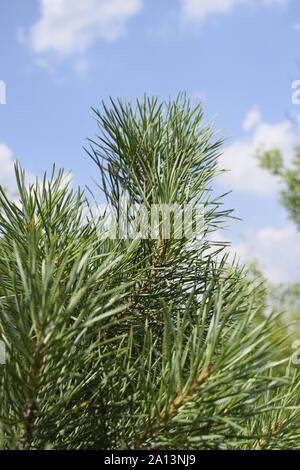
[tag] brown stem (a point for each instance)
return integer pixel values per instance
(31, 406)
(172, 408)
(144, 284)
(263, 441)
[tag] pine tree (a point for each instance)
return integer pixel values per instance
(145, 343)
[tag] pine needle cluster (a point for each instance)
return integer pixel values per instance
(136, 343)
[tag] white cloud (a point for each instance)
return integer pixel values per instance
(70, 26)
(199, 10)
(282, 3)
(240, 159)
(44, 64)
(7, 178)
(252, 118)
(7, 175)
(276, 249)
(82, 66)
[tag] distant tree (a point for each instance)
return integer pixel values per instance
(286, 296)
(289, 177)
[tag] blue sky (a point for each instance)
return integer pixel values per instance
(60, 57)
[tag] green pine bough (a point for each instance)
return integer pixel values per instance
(136, 343)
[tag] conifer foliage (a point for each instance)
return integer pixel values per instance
(145, 343)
